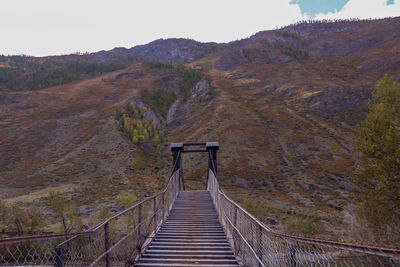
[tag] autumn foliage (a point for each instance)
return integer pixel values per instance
(379, 169)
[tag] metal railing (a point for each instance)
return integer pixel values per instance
(255, 244)
(117, 241)
(32, 250)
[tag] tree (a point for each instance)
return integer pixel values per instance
(378, 173)
(127, 200)
(65, 211)
(21, 220)
(16, 218)
(131, 108)
(156, 142)
(58, 204)
(118, 114)
(140, 131)
(36, 220)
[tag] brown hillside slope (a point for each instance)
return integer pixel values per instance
(68, 135)
(283, 104)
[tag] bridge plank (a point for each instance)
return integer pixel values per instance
(191, 236)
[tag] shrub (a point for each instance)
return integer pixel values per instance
(188, 79)
(126, 199)
(160, 99)
(140, 131)
(158, 65)
(301, 226)
(29, 73)
(253, 207)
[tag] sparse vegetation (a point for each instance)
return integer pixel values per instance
(135, 126)
(126, 199)
(301, 226)
(254, 208)
(29, 73)
(65, 211)
(159, 99)
(19, 220)
(294, 53)
(159, 65)
(188, 79)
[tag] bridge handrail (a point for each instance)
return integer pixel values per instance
(142, 247)
(40, 237)
(259, 248)
(147, 212)
(83, 247)
(384, 251)
(119, 214)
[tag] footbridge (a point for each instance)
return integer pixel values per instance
(176, 227)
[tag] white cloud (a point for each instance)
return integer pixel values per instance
(44, 27)
(48, 27)
(364, 9)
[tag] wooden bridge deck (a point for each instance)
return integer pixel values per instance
(191, 236)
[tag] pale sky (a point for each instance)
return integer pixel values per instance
(51, 27)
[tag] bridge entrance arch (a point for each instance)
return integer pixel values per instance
(178, 149)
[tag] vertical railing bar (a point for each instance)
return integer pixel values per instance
(154, 213)
(106, 244)
(163, 208)
(237, 246)
(260, 240)
(59, 256)
(292, 256)
(139, 222)
(235, 217)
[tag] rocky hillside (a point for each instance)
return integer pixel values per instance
(327, 69)
(283, 104)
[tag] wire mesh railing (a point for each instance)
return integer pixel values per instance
(117, 241)
(255, 244)
(32, 250)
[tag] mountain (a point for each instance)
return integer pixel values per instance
(284, 105)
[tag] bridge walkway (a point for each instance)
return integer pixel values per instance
(179, 228)
(191, 236)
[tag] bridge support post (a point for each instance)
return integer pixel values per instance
(59, 261)
(212, 148)
(176, 149)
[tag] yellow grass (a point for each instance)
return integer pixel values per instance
(37, 195)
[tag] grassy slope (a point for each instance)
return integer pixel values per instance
(284, 161)
(65, 138)
(283, 122)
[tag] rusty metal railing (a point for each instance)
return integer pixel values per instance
(117, 241)
(255, 244)
(32, 250)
